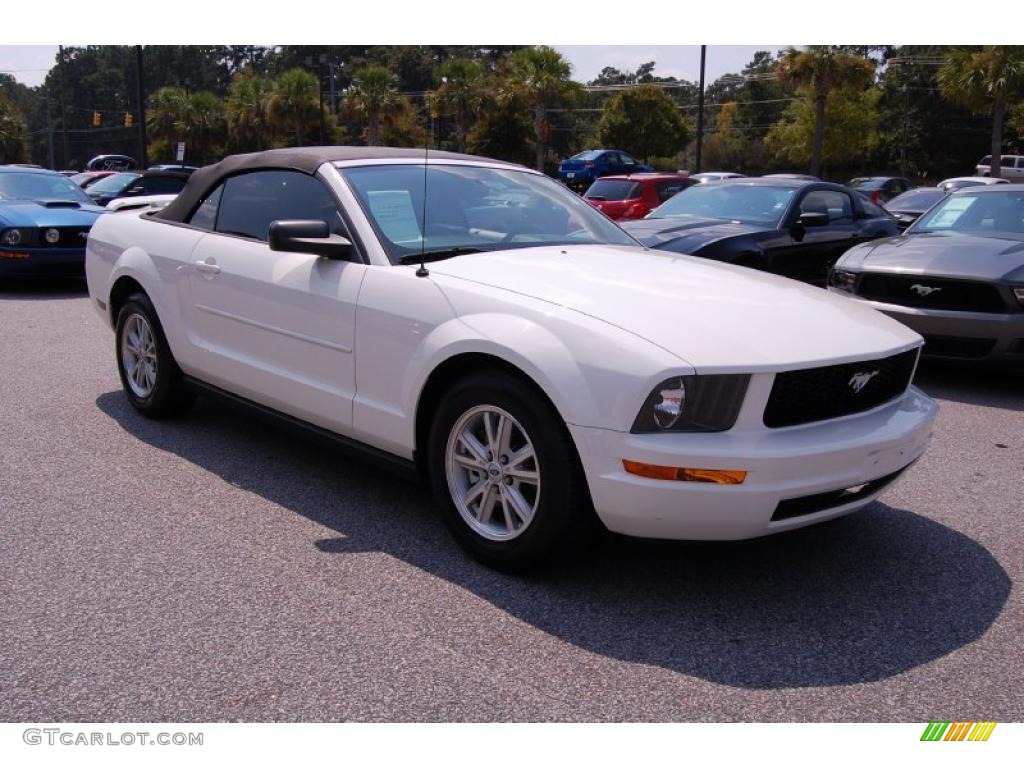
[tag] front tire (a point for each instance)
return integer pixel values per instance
(504, 472)
(151, 378)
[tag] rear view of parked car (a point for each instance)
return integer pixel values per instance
(624, 198)
(880, 189)
(580, 170)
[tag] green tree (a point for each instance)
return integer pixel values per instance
(460, 95)
(819, 70)
(205, 126)
(403, 125)
(728, 148)
(539, 77)
(294, 106)
(248, 110)
(372, 96)
(851, 119)
(166, 115)
(645, 121)
(989, 81)
(12, 132)
(503, 130)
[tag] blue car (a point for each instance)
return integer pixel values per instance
(44, 221)
(581, 170)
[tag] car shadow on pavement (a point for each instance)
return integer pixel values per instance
(996, 385)
(43, 289)
(851, 601)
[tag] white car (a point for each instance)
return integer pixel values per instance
(1011, 167)
(962, 182)
(537, 367)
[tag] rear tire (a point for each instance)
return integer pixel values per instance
(504, 472)
(151, 378)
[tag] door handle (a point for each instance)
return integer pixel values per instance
(208, 267)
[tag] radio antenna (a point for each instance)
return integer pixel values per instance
(423, 271)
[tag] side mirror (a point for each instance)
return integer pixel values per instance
(308, 236)
(812, 219)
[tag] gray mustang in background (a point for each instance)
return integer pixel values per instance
(956, 276)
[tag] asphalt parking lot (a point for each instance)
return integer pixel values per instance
(219, 569)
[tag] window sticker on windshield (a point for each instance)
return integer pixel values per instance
(394, 213)
(951, 211)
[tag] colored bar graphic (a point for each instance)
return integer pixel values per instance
(959, 730)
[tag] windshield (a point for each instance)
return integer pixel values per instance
(975, 212)
(733, 201)
(473, 208)
(915, 200)
(613, 189)
(866, 183)
(112, 185)
(40, 186)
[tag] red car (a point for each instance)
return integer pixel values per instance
(633, 196)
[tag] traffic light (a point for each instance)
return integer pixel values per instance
(127, 119)
(95, 119)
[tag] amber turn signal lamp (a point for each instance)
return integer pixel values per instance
(653, 471)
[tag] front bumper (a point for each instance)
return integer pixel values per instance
(983, 335)
(42, 262)
(782, 465)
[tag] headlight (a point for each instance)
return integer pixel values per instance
(1019, 293)
(693, 404)
(843, 280)
(51, 235)
(12, 237)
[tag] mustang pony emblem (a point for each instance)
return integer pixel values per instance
(858, 381)
(924, 290)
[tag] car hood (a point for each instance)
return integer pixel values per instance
(30, 213)
(714, 316)
(941, 255)
(685, 235)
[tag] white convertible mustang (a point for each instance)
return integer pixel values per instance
(477, 322)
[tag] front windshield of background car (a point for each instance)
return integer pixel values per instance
(915, 200)
(40, 186)
(867, 183)
(112, 185)
(976, 213)
(729, 200)
(470, 207)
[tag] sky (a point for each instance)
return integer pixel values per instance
(29, 63)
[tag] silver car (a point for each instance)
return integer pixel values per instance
(956, 276)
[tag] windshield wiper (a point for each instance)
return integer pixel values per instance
(439, 254)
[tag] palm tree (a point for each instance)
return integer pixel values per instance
(821, 69)
(540, 77)
(166, 115)
(295, 103)
(205, 124)
(988, 81)
(372, 96)
(460, 95)
(248, 107)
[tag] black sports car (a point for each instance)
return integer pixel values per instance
(790, 227)
(956, 276)
(910, 205)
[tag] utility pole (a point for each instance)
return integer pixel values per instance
(906, 121)
(140, 96)
(49, 130)
(63, 108)
(700, 110)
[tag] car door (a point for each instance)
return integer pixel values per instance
(275, 327)
(809, 252)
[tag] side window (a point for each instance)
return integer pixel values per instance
(627, 159)
(251, 201)
(1020, 162)
(666, 189)
(205, 215)
(1007, 161)
(838, 206)
(162, 185)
